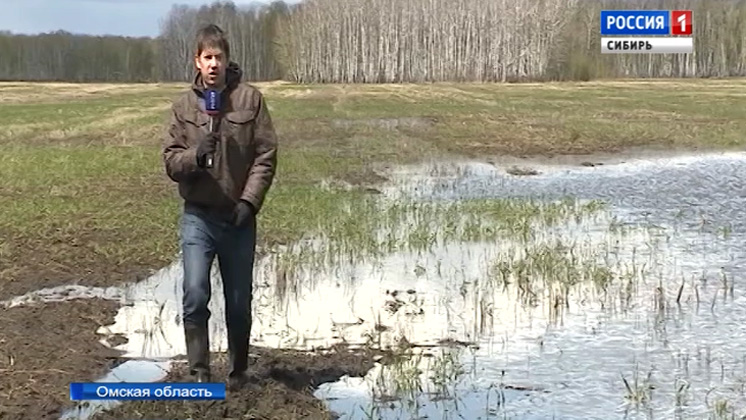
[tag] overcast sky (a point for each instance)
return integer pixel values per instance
(95, 17)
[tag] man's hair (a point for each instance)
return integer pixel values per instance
(211, 36)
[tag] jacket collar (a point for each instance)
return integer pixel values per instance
(233, 76)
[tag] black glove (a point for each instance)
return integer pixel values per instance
(242, 213)
(206, 147)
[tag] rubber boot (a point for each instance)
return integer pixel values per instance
(198, 352)
(238, 352)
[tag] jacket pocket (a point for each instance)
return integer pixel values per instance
(239, 125)
(197, 124)
(197, 119)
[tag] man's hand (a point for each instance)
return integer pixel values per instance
(206, 147)
(242, 213)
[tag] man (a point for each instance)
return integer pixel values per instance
(221, 200)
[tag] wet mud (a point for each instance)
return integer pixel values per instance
(36, 368)
(37, 266)
(286, 381)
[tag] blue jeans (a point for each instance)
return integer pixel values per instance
(203, 237)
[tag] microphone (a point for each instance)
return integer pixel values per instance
(212, 108)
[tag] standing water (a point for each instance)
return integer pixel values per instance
(636, 312)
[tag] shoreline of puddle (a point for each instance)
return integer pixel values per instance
(511, 368)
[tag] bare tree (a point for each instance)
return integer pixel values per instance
(395, 41)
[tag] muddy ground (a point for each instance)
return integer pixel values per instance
(68, 251)
(35, 370)
(286, 378)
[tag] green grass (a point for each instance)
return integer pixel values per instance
(362, 228)
(86, 198)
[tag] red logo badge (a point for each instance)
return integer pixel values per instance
(681, 22)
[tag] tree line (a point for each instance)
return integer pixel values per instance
(394, 41)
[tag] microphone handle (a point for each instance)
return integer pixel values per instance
(209, 157)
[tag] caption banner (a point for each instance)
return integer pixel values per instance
(146, 391)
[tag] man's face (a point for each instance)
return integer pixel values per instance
(211, 64)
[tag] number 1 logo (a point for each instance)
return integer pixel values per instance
(681, 22)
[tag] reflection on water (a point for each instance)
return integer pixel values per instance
(662, 342)
(129, 371)
(64, 293)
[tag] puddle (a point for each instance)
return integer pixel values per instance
(521, 171)
(663, 342)
(552, 319)
(129, 371)
(65, 293)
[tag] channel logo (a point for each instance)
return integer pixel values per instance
(646, 22)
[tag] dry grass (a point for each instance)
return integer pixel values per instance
(28, 92)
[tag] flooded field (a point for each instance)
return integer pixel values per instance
(574, 292)
(632, 311)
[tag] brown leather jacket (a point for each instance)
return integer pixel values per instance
(246, 157)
